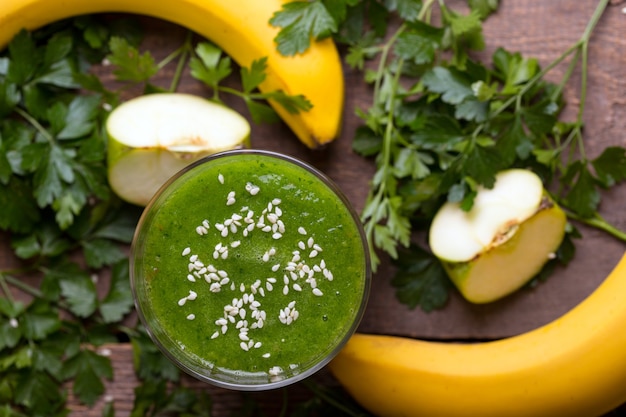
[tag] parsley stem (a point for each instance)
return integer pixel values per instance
(598, 222)
(332, 401)
(185, 51)
(30, 119)
(28, 289)
(5, 288)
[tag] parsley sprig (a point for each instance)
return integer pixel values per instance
(441, 124)
(66, 228)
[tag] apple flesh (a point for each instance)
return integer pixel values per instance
(152, 137)
(506, 238)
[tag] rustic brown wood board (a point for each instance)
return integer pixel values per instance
(542, 29)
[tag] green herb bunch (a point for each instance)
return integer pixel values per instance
(67, 229)
(442, 123)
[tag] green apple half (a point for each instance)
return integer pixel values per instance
(152, 137)
(506, 238)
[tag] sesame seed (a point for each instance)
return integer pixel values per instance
(275, 370)
(302, 230)
(205, 223)
(275, 267)
(186, 251)
(191, 317)
(225, 281)
(182, 301)
(269, 286)
(215, 287)
(258, 345)
(277, 236)
(235, 244)
(301, 245)
(276, 201)
(278, 211)
(328, 274)
(317, 247)
(272, 280)
(297, 287)
(232, 286)
(201, 230)
(262, 292)
(224, 329)
(244, 337)
(191, 278)
(317, 292)
(192, 295)
(214, 335)
(242, 287)
(286, 290)
(266, 355)
(230, 201)
(222, 273)
(244, 346)
(266, 257)
(310, 242)
(220, 178)
(313, 254)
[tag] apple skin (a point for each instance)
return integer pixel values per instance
(506, 267)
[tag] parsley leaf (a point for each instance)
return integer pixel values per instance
(300, 21)
(118, 301)
(420, 280)
(87, 368)
(130, 64)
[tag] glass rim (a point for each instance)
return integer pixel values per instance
(207, 374)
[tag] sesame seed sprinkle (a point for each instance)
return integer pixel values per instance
(299, 270)
(220, 178)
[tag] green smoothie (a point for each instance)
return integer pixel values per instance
(250, 269)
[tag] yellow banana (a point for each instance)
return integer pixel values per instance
(241, 29)
(573, 366)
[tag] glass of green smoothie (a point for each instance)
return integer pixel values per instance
(250, 269)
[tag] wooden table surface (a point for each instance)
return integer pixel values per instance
(538, 28)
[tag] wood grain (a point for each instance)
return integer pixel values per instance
(543, 29)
